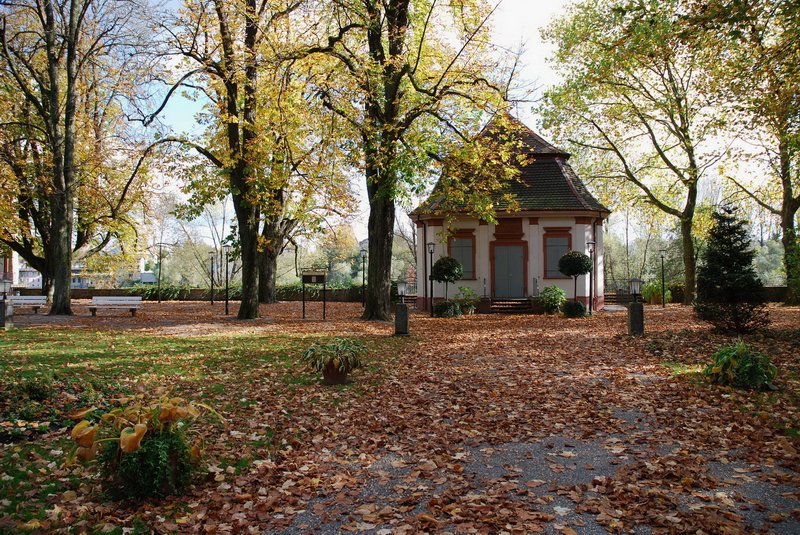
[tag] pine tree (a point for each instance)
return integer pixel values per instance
(729, 293)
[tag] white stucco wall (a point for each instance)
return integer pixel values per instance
(533, 233)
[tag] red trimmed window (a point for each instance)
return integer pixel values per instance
(462, 247)
(557, 243)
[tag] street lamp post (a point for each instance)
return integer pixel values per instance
(212, 256)
(160, 261)
(227, 249)
(6, 308)
(160, 267)
(431, 249)
(663, 280)
(591, 245)
(401, 310)
(635, 310)
(363, 277)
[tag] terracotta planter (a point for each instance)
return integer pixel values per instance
(331, 375)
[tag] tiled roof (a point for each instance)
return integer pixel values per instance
(546, 183)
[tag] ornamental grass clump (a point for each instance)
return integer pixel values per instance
(335, 359)
(742, 366)
(144, 448)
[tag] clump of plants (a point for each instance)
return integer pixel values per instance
(447, 309)
(742, 366)
(551, 299)
(144, 448)
(651, 292)
(729, 292)
(335, 358)
(574, 309)
(467, 299)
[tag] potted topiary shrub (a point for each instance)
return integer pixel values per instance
(574, 264)
(335, 359)
(551, 299)
(447, 270)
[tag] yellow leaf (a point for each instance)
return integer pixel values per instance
(86, 454)
(130, 439)
(83, 433)
(80, 413)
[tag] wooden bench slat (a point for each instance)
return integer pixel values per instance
(121, 302)
(33, 301)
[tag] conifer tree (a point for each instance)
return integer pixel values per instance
(729, 293)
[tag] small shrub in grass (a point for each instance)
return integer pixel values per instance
(335, 359)
(143, 448)
(162, 466)
(742, 366)
(551, 299)
(446, 309)
(574, 309)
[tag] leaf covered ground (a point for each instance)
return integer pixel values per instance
(480, 424)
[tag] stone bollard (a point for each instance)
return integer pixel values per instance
(6, 314)
(636, 319)
(401, 319)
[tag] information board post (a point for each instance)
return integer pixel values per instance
(315, 276)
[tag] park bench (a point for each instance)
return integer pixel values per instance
(33, 301)
(124, 302)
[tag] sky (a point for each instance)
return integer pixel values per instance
(516, 22)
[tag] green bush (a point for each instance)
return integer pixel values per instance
(160, 467)
(467, 299)
(552, 298)
(141, 445)
(446, 309)
(574, 264)
(574, 309)
(169, 292)
(729, 292)
(652, 290)
(743, 367)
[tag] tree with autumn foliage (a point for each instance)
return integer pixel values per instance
(410, 80)
(69, 161)
(757, 51)
(268, 143)
(635, 99)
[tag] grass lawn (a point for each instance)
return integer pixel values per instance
(515, 423)
(46, 373)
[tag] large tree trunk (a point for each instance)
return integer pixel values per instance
(791, 260)
(381, 236)
(248, 237)
(266, 276)
(789, 206)
(61, 258)
(689, 261)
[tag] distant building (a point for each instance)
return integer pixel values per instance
(519, 255)
(23, 275)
